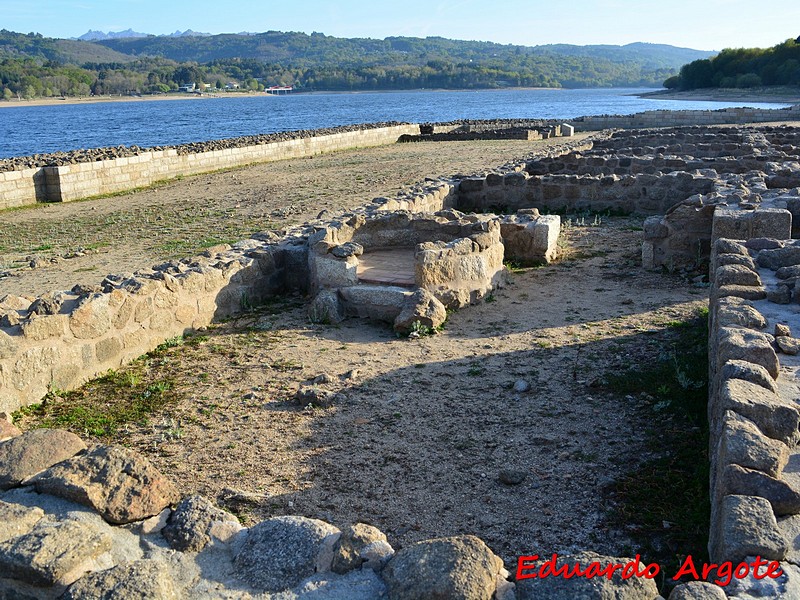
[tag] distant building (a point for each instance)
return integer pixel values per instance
(231, 85)
(188, 87)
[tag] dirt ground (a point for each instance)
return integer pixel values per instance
(426, 437)
(82, 242)
(417, 439)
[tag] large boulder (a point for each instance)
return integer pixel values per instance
(195, 523)
(52, 553)
(420, 310)
(279, 553)
(461, 567)
(25, 455)
(119, 484)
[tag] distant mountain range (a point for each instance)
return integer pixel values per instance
(94, 36)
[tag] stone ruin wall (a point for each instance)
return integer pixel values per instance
(753, 410)
(67, 182)
(754, 418)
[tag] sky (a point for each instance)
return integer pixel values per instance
(699, 24)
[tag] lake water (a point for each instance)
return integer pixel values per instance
(36, 129)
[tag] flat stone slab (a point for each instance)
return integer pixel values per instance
(119, 484)
(133, 581)
(389, 267)
(33, 451)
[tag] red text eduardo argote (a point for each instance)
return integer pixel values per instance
(532, 567)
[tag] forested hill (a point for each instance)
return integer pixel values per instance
(31, 65)
(455, 62)
(742, 68)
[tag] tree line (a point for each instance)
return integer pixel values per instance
(742, 68)
(34, 66)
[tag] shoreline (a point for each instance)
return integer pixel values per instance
(64, 101)
(767, 95)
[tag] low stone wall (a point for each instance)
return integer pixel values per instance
(22, 188)
(678, 118)
(60, 340)
(641, 194)
(68, 182)
(753, 415)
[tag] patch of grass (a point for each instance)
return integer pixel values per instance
(664, 502)
(42, 248)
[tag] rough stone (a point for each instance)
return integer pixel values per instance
(741, 369)
(782, 330)
(788, 345)
(119, 484)
(348, 249)
(133, 581)
(195, 523)
(741, 443)
(735, 311)
(453, 568)
(52, 552)
(348, 553)
(92, 318)
(780, 294)
(747, 292)
(420, 307)
(16, 520)
(736, 275)
(768, 411)
(763, 244)
(779, 257)
(742, 344)
(724, 246)
(326, 308)
(697, 590)
(737, 480)
(512, 476)
(746, 526)
(355, 585)
(8, 430)
(25, 455)
(788, 272)
(735, 259)
(277, 554)
(314, 396)
(582, 588)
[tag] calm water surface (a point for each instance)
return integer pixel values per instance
(35, 129)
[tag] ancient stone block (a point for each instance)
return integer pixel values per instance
(195, 523)
(736, 479)
(742, 344)
(746, 526)
(774, 417)
(92, 318)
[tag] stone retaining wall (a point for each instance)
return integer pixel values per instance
(60, 340)
(754, 417)
(64, 183)
(678, 118)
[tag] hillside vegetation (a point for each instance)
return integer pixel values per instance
(31, 65)
(742, 68)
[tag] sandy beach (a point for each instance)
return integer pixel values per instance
(155, 98)
(781, 95)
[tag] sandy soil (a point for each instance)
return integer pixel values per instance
(82, 242)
